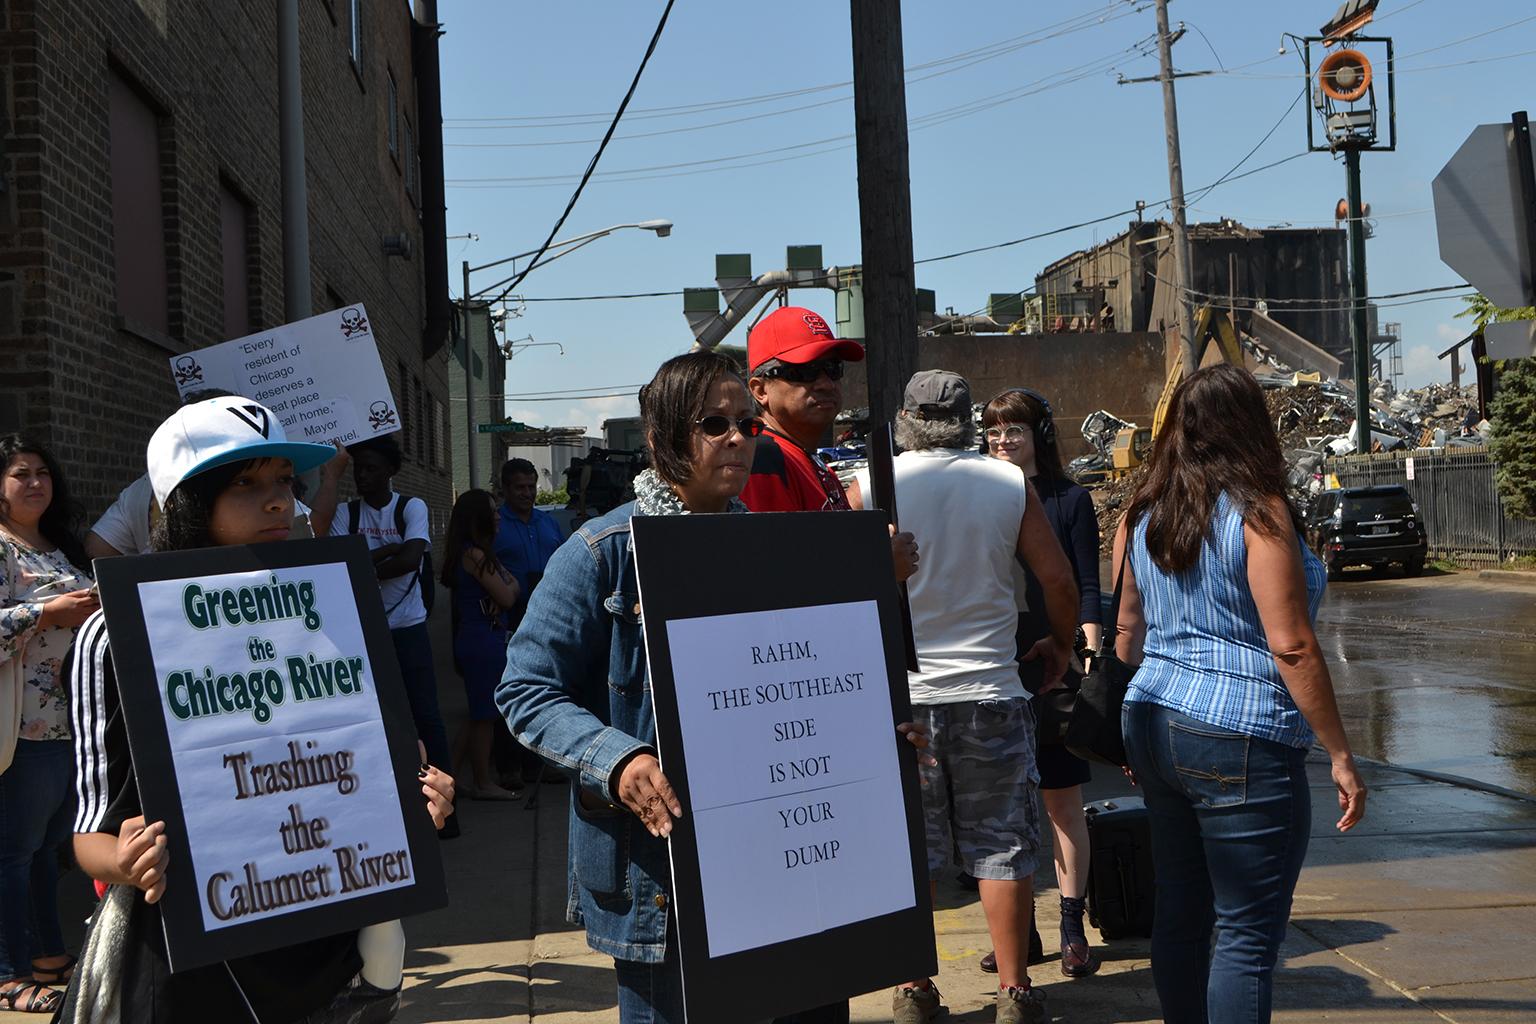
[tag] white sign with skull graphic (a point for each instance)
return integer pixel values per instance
(321, 376)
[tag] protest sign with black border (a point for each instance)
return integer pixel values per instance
(777, 670)
(270, 731)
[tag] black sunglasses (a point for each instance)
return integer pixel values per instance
(718, 426)
(806, 373)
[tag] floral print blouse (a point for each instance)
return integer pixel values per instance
(28, 578)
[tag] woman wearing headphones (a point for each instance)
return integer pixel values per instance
(1018, 427)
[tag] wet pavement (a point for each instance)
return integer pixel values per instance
(1436, 674)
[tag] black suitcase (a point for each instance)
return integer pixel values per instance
(1120, 879)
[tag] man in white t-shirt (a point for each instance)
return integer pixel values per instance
(397, 559)
(975, 516)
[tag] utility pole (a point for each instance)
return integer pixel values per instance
(885, 204)
(1359, 328)
(1181, 277)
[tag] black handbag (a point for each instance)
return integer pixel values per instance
(1053, 713)
(1093, 730)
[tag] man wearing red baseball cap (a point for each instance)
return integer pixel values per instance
(796, 369)
(795, 375)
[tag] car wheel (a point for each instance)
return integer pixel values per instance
(1335, 571)
(1414, 566)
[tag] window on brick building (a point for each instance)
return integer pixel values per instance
(138, 213)
(236, 221)
(392, 116)
(355, 31)
(409, 156)
(434, 431)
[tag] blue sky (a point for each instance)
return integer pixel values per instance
(1017, 139)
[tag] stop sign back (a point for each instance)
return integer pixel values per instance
(1481, 216)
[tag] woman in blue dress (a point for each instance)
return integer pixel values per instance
(482, 592)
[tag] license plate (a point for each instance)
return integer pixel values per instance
(1377, 531)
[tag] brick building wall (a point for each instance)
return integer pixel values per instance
(82, 366)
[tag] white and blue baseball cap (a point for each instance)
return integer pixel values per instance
(219, 431)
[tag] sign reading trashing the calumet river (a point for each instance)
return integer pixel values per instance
(264, 679)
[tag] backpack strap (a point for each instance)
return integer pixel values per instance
(400, 515)
(354, 511)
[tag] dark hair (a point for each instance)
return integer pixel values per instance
(471, 524)
(385, 445)
(1217, 438)
(188, 511)
(62, 519)
(517, 467)
(1019, 406)
(672, 402)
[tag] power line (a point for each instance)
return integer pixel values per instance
(1091, 19)
(596, 298)
(833, 143)
(1098, 220)
(592, 164)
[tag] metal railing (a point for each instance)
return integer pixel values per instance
(1457, 497)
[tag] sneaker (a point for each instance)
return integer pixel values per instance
(916, 1005)
(1020, 1006)
(359, 1003)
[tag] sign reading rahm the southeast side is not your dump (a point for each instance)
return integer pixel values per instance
(777, 693)
(272, 705)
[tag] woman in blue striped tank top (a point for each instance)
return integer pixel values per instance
(1218, 610)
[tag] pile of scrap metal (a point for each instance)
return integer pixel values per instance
(1099, 430)
(1315, 420)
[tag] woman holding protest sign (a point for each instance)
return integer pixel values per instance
(576, 691)
(223, 473)
(45, 594)
(482, 593)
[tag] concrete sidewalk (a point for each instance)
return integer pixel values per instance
(1424, 913)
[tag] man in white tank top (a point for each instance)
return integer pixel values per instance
(973, 517)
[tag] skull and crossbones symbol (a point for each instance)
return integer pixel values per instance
(380, 415)
(186, 371)
(353, 322)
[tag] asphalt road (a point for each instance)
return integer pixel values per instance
(1436, 673)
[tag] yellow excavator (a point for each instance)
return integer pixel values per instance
(1133, 444)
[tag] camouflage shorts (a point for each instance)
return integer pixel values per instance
(979, 804)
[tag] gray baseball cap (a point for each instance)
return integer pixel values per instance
(937, 395)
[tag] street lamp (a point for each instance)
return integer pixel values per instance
(565, 247)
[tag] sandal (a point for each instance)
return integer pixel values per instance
(59, 975)
(40, 998)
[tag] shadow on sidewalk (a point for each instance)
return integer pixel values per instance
(501, 992)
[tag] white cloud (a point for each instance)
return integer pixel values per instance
(1450, 332)
(1421, 366)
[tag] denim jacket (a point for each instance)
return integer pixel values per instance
(575, 691)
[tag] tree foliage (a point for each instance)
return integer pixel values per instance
(1512, 416)
(1512, 439)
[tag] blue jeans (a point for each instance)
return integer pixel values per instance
(1230, 818)
(37, 809)
(413, 649)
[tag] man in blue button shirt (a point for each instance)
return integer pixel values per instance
(525, 537)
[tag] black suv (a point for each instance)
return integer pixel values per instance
(1367, 526)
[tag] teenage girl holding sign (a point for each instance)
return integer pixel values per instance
(223, 473)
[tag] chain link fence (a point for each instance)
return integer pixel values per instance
(1460, 504)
